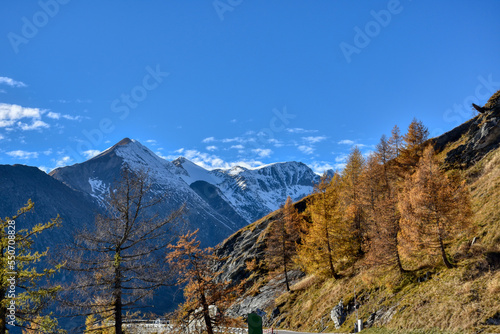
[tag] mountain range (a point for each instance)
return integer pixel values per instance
(218, 202)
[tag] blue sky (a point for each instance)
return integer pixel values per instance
(230, 82)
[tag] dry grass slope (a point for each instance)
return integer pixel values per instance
(458, 300)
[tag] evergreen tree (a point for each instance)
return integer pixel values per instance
(20, 275)
(328, 239)
(281, 244)
(351, 195)
(381, 211)
(413, 147)
(120, 261)
(207, 298)
(434, 207)
(396, 141)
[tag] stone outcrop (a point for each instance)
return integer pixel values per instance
(338, 315)
(481, 134)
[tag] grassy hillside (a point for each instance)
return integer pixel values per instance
(463, 299)
(429, 298)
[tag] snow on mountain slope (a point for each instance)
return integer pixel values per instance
(218, 201)
(254, 193)
(96, 176)
(191, 172)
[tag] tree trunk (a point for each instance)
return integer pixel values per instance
(118, 296)
(3, 313)
(447, 263)
(284, 259)
(206, 313)
(396, 248)
(398, 261)
(330, 260)
(286, 279)
(118, 314)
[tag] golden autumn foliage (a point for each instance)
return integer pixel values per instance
(328, 242)
(281, 245)
(434, 207)
(202, 290)
(381, 207)
(412, 148)
(352, 199)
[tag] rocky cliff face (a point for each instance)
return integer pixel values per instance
(244, 246)
(477, 137)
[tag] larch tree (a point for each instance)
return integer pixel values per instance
(206, 297)
(413, 147)
(281, 243)
(25, 289)
(434, 207)
(351, 195)
(327, 239)
(120, 261)
(396, 141)
(380, 200)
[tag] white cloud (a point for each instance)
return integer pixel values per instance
(306, 149)
(11, 82)
(48, 152)
(2, 137)
(23, 154)
(235, 139)
(53, 115)
(91, 153)
(262, 153)
(205, 160)
(35, 125)
(76, 101)
(341, 158)
(300, 130)
(275, 142)
(315, 139)
(210, 161)
(44, 169)
(158, 153)
(208, 140)
(151, 141)
(211, 148)
(346, 142)
(64, 161)
(238, 147)
(11, 113)
(319, 167)
(179, 151)
(72, 118)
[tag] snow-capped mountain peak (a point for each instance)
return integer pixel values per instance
(219, 201)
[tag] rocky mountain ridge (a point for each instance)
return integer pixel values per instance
(218, 201)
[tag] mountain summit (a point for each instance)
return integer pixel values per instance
(218, 201)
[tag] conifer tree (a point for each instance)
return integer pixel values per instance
(351, 194)
(120, 261)
(203, 291)
(396, 141)
(382, 212)
(413, 147)
(24, 305)
(281, 245)
(328, 239)
(434, 207)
